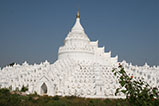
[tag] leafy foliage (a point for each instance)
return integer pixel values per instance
(24, 89)
(137, 92)
(56, 98)
(12, 64)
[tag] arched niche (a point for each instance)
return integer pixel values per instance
(44, 89)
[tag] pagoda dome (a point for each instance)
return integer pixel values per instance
(77, 43)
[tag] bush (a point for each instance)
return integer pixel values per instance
(55, 97)
(4, 91)
(24, 89)
(71, 97)
(137, 92)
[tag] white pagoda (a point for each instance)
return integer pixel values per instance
(82, 69)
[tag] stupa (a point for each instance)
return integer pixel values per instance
(82, 69)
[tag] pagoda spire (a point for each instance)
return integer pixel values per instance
(77, 26)
(78, 14)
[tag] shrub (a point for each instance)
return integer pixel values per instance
(71, 97)
(137, 92)
(4, 91)
(24, 89)
(55, 97)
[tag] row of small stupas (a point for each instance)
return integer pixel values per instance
(82, 69)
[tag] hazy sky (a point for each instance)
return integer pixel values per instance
(33, 30)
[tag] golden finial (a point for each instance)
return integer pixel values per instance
(78, 15)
